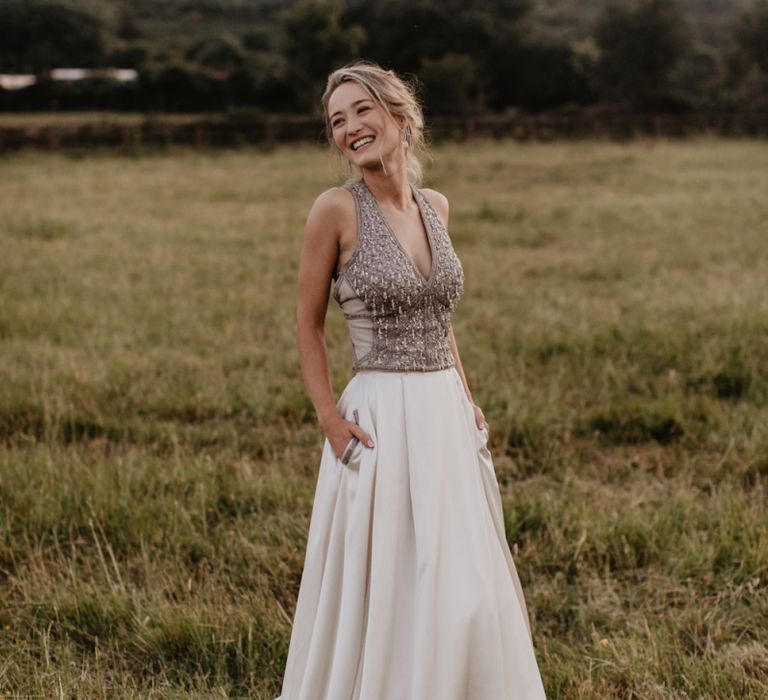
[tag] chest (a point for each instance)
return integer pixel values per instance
(405, 260)
(410, 231)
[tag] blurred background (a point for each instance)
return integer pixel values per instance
(607, 168)
(593, 63)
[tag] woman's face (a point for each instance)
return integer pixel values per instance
(362, 130)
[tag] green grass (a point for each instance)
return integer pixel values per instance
(72, 118)
(158, 455)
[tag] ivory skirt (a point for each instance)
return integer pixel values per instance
(409, 591)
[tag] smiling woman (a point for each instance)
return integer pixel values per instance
(369, 89)
(409, 590)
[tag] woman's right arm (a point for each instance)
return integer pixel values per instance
(331, 212)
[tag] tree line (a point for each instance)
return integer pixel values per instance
(467, 58)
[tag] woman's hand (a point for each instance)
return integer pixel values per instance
(480, 421)
(340, 432)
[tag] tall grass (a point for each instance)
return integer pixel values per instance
(158, 454)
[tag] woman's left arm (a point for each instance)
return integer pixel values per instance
(479, 417)
(440, 203)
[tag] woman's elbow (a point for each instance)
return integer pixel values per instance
(308, 325)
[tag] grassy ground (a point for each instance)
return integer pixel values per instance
(158, 455)
(45, 119)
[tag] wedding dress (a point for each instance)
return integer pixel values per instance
(409, 590)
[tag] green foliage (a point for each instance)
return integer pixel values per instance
(699, 78)
(452, 84)
(39, 35)
(221, 53)
(184, 87)
(747, 60)
(537, 75)
(128, 25)
(274, 56)
(315, 44)
(753, 34)
(640, 46)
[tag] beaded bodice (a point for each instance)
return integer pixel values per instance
(398, 319)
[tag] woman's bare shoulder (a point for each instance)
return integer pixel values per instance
(332, 213)
(439, 201)
(332, 202)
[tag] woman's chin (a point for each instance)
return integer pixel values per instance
(364, 159)
(375, 161)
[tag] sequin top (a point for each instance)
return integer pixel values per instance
(398, 319)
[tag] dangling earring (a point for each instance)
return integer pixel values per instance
(406, 132)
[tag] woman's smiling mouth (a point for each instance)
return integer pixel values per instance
(362, 142)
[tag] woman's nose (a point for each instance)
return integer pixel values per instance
(353, 126)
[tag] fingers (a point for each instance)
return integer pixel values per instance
(347, 454)
(361, 435)
(358, 436)
(345, 444)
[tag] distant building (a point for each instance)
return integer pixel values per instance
(124, 75)
(16, 81)
(71, 74)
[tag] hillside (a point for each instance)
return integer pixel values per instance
(712, 19)
(176, 23)
(273, 55)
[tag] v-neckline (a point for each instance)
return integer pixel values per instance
(427, 230)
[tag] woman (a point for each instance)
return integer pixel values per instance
(409, 591)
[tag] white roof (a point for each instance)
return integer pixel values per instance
(16, 81)
(70, 73)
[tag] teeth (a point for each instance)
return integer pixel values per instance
(362, 142)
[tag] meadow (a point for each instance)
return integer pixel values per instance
(158, 454)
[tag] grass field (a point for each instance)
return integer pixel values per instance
(158, 454)
(45, 119)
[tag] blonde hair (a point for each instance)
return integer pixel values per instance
(393, 94)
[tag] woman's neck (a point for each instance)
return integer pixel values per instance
(391, 187)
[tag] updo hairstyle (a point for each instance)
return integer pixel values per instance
(395, 95)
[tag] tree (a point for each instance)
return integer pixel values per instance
(639, 48)
(752, 34)
(222, 53)
(128, 26)
(38, 35)
(699, 77)
(451, 84)
(315, 44)
(183, 88)
(746, 61)
(410, 34)
(471, 55)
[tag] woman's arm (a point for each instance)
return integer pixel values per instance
(319, 252)
(479, 417)
(440, 203)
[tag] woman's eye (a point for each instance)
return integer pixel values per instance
(362, 109)
(336, 123)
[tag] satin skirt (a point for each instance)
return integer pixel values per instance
(409, 590)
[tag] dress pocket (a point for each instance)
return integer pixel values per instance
(481, 434)
(352, 451)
